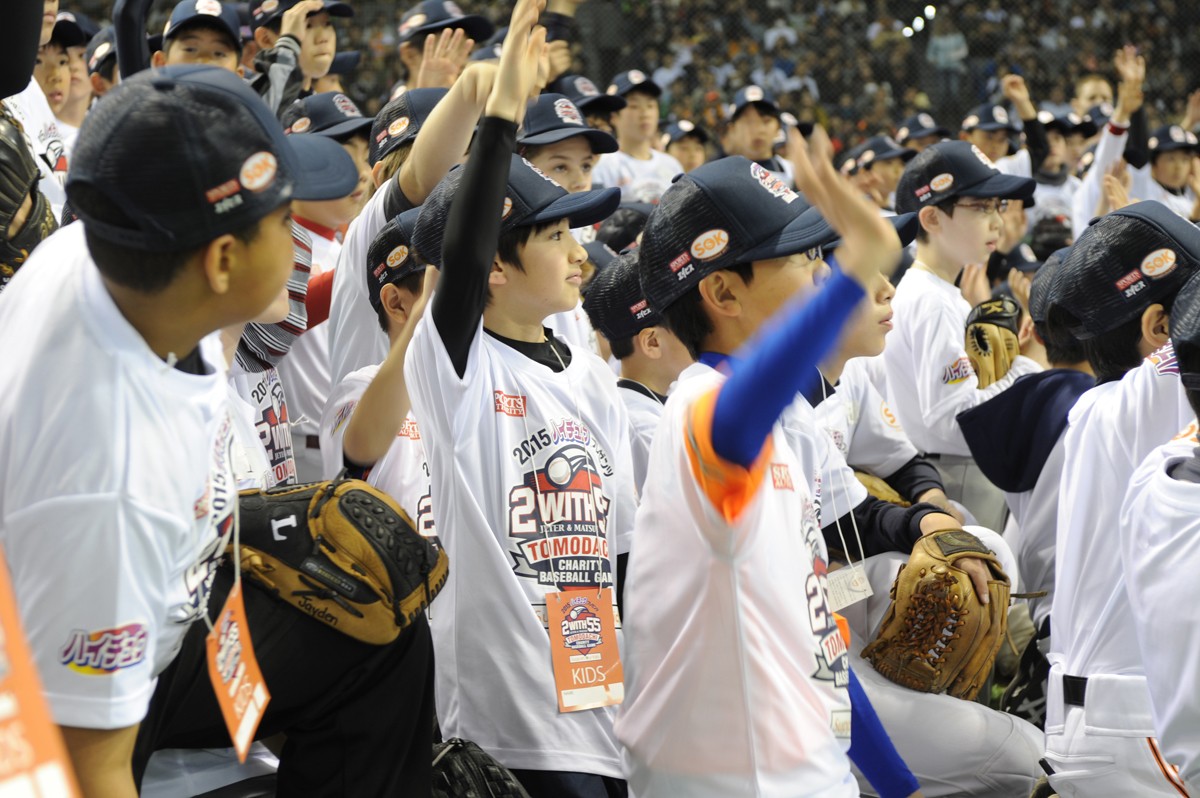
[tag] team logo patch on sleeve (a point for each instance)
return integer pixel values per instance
(107, 651)
(510, 404)
(957, 372)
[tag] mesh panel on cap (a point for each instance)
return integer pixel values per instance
(1185, 314)
(666, 266)
(430, 231)
(615, 302)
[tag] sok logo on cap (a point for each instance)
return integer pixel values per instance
(258, 171)
(397, 256)
(710, 244)
(1159, 263)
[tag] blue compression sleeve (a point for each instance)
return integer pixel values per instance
(872, 751)
(774, 367)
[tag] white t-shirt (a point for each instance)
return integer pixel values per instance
(1112, 428)
(929, 378)
(266, 402)
(402, 472)
(45, 142)
(1160, 544)
(68, 134)
(1035, 535)
(305, 368)
(862, 426)
(532, 491)
(644, 414)
(116, 491)
(575, 327)
(639, 181)
(736, 675)
(355, 337)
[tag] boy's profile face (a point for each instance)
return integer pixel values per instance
(637, 122)
(872, 320)
(319, 45)
(200, 44)
(263, 265)
(553, 271)
(776, 281)
(52, 71)
(972, 233)
(887, 174)
(569, 162)
(993, 143)
(752, 133)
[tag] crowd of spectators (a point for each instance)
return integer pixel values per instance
(856, 66)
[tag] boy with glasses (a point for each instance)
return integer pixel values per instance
(959, 196)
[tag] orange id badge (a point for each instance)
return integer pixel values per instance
(233, 669)
(583, 649)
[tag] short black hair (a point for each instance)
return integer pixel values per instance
(508, 248)
(946, 206)
(621, 347)
(685, 317)
(1110, 355)
(145, 272)
(1061, 346)
(410, 283)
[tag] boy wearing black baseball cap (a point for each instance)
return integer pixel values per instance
(959, 197)
(127, 302)
(640, 171)
(1116, 291)
(687, 143)
(753, 125)
(202, 32)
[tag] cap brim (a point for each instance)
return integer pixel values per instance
(649, 87)
(989, 126)
(806, 231)
(476, 27)
(347, 127)
(903, 153)
(600, 141)
(602, 104)
(1001, 186)
(580, 210)
(696, 132)
(932, 131)
(337, 9)
(321, 169)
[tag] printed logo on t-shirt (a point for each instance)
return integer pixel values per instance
(1163, 360)
(274, 427)
(889, 417)
(830, 654)
(781, 477)
(1188, 433)
(217, 525)
(107, 651)
(409, 430)
(510, 404)
(558, 514)
(957, 372)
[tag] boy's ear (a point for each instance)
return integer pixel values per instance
(377, 173)
(392, 300)
(265, 38)
(217, 262)
(99, 84)
(1155, 326)
(649, 343)
(158, 60)
(719, 293)
(927, 217)
(499, 272)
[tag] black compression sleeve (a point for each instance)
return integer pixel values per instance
(881, 525)
(1036, 142)
(19, 44)
(1137, 146)
(915, 477)
(470, 241)
(129, 23)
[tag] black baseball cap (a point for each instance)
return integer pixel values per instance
(752, 95)
(85, 23)
(345, 62)
(918, 127)
(684, 128)
(631, 81)
(433, 16)
(621, 229)
(847, 163)
(1100, 114)
(989, 117)
(400, 120)
(264, 12)
(583, 92)
(68, 33)
(600, 254)
(553, 117)
(101, 50)
(721, 214)
(956, 169)
(329, 113)
(615, 302)
(189, 153)
(1068, 123)
(1023, 258)
(1169, 138)
(1040, 287)
(1124, 262)
(531, 198)
(883, 148)
(1185, 327)
(209, 13)
(392, 256)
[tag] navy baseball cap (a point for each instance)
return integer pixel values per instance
(492, 48)
(721, 214)
(1024, 259)
(68, 33)
(752, 95)
(621, 229)
(85, 23)
(1185, 327)
(101, 50)
(883, 148)
(1124, 262)
(345, 62)
(433, 16)
(329, 113)
(615, 302)
(600, 254)
(189, 153)
(392, 256)
(684, 128)
(989, 117)
(553, 117)
(633, 80)
(400, 120)
(848, 163)
(1040, 287)
(920, 126)
(956, 169)
(264, 12)
(1100, 114)
(1169, 138)
(1068, 123)
(209, 13)
(531, 198)
(586, 96)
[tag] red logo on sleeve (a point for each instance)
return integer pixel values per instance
(509, 404)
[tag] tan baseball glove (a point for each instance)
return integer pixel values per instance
(991, 338)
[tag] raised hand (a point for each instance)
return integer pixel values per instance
(521, 60)
(443, 59)
(295, 20)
